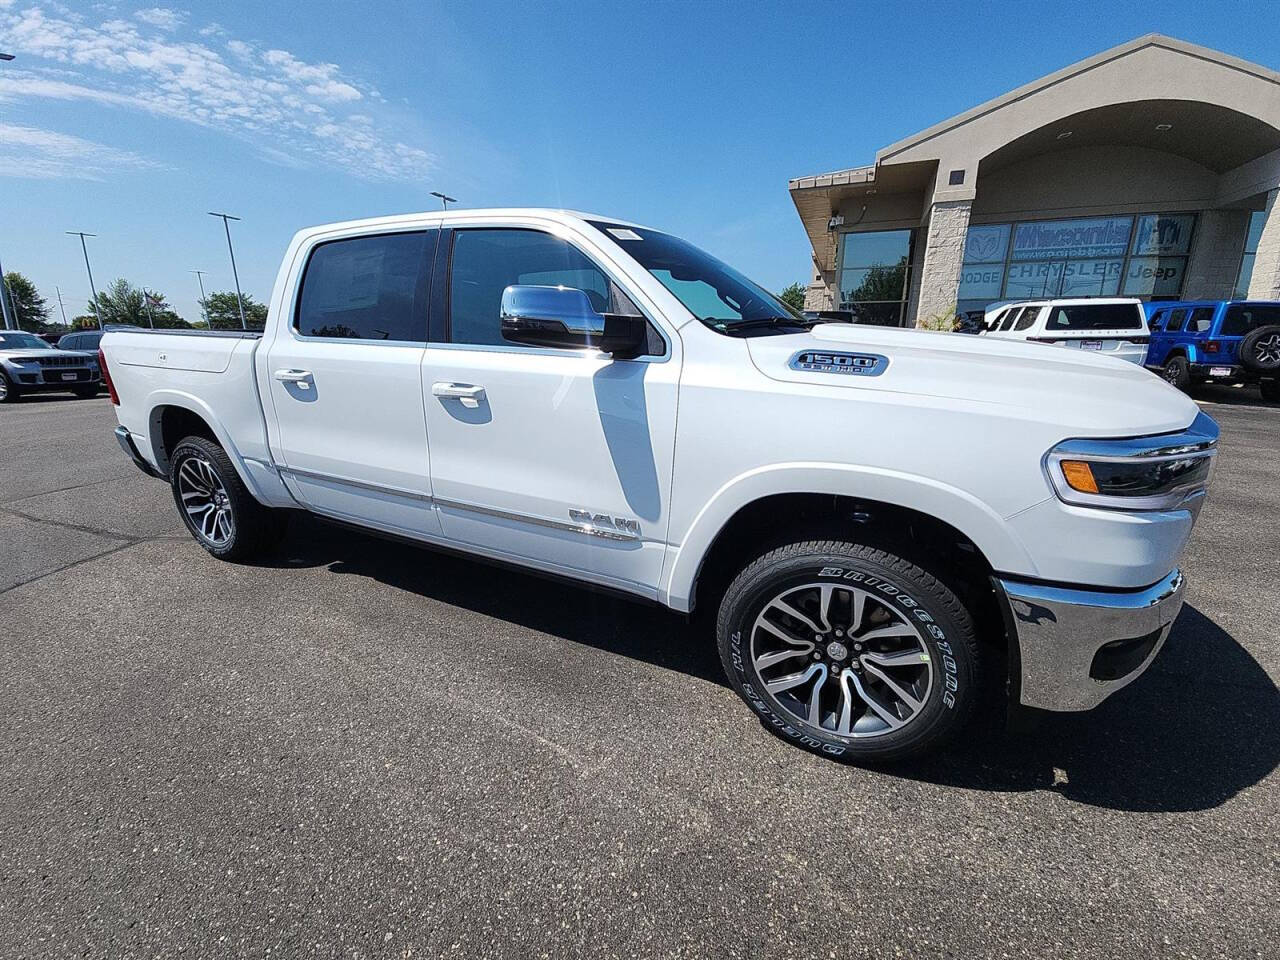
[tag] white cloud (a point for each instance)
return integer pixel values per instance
(47, 155)
(161, 17)
(282, 104)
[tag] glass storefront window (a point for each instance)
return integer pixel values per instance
(1154, 276)
(874, 269)
(1254, 237)
(1163, 235)
(1142, 256)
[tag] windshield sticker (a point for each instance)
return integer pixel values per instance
(854, 364)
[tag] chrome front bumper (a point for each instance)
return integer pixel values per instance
(1077, 647)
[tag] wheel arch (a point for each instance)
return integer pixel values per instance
(832, 500)
(176, 415)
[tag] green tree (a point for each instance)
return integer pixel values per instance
(31, 311)
(793, 296)
(881, 283)
(224, 314)
(122, 302)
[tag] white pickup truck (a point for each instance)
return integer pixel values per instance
(882, 520)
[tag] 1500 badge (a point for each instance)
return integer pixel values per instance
(855, 364)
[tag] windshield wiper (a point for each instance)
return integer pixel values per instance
(771, 322)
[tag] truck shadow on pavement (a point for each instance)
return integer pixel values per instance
(1200, 726)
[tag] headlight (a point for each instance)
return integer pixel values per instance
(1143, 473)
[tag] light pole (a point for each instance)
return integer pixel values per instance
(97, 314)
(204, 303)
(58, 291)
(9, 323)
(445, 200)
(239, 297)
(4, 300)
(146, 302)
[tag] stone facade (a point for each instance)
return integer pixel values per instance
(1215, 259)
(1265, 284)
(943, 258)
(819, 296)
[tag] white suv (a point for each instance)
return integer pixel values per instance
(1114, 327)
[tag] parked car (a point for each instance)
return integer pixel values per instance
(1231, 341)
(50, 338)
(878, 533)
(81, 340)
(30, 365)
(1112, 327)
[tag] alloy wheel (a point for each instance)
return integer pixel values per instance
(841, 661)
(205, 500)
(1268, 350)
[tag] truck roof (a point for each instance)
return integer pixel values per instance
(446, 216)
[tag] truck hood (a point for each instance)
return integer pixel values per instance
(1087, 395)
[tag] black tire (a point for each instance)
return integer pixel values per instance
(898, 592)
(1270, 390)
(86, 393)
(252, 529)
(9, 392)
(1177, 372)
(1260, 351)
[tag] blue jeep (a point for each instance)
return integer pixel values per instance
(1230, 341)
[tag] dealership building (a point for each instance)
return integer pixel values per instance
(1149, 170)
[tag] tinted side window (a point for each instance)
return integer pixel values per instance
(1240, 318)
(1028, 317)
(368, 288)
(995, 321)
(1157, 321)
(486, 262)
(1010, 317)
(1201, 320)
(1176, 320)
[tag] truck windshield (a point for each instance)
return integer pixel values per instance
(11, 340)
(1095, 316)
(714, 292)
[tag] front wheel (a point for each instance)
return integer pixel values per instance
(8, 390)
(849, 651)
(215, 505)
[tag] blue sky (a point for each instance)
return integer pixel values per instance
(131, 120)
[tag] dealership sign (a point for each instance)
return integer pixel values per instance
(1056, 239)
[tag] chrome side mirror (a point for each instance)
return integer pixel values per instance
(563, 317)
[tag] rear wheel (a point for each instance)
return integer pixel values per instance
(1177, 372)
(1260, 351)
(849, 651)
(216, 507)
(8, 390)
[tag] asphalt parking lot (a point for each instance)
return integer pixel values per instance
(366, 749)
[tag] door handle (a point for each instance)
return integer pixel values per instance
(468, 393)
(300, 377)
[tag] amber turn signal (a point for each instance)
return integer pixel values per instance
(1079, 476)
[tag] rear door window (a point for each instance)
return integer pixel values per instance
(1027, 318)
(1010, 317)
(368, 288)
(1201, 320)
(1177, 320)
(1096, 316)
(1240, 318)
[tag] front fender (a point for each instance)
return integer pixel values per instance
(977, 521)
